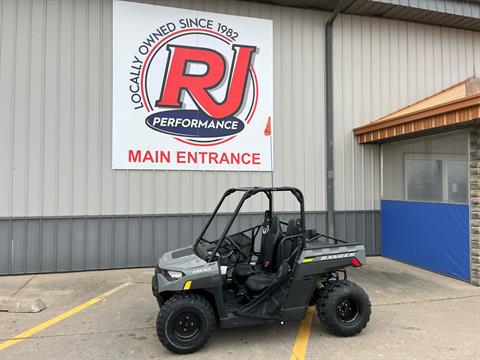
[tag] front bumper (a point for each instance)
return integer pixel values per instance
(155, 288)
(154, 285)
(162, 282)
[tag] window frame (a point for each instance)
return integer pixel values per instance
(444, 158)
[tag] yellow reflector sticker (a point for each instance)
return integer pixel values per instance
(308, 260)
(187, 285)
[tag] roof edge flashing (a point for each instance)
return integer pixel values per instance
(457, 104)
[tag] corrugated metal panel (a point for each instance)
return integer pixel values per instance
(66, 208)
(56, 244)
(360, 226)
(429, 17)
(384, 65)
(453, 13)
(454, 7)
(56, 93)
(55, 106)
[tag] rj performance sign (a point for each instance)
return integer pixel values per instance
(191, 90)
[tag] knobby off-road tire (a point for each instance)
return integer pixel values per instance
(343, 308)
(185, 323)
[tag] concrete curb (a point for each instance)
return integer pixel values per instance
(21, 305)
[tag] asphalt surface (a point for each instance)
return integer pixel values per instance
(416, 314)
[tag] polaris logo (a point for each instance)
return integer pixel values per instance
(337, 256)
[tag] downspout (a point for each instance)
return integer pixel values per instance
(329, 114)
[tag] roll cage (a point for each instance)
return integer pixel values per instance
(247, 193)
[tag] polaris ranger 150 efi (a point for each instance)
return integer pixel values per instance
(226, 280)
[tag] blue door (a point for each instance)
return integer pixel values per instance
(434, 236)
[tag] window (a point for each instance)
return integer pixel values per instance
(436, 178)
(424, 179)
(457, 181)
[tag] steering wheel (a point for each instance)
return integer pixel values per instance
(235, 248)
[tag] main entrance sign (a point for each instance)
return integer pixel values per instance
(191, 90)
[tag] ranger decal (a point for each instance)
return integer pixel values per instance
(337, 256)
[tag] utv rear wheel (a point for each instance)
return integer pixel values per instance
(343, 308)
(185, 322)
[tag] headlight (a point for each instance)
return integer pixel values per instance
(175, 274)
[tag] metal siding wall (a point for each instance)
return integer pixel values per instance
(64, 209)
(455, 7)
(384, 65)
(56, 244)
(360, 226)
(55, 106)
(55, 98)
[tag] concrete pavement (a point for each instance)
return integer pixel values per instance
(416, 314)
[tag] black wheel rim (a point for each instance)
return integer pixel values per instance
(347, 310)
(186, 325)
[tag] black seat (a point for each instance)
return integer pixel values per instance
(271, 232)
(284, 249)
(242, 271)
(258, 282)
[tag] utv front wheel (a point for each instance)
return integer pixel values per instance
(343, 308)
(185, 322)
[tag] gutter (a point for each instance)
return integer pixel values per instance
(329, 113)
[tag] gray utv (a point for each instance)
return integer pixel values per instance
(228, 281)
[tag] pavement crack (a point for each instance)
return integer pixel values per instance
(285, 344)
(25, 284)
(428, 300)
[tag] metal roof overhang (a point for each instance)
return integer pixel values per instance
(462, 14)
(454, 107)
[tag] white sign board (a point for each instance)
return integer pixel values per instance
(191, 90)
